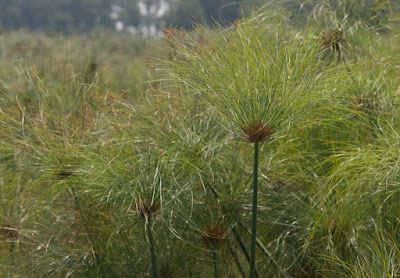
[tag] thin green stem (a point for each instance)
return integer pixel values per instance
(237, 261)
(153, 254)
(264, 250)
(239, 239)
(242, 245)
(254, 215)
(215, 259)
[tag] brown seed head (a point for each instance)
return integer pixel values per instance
(146, 208)
(366, 102)
(257, 131)
(213, 234)
(10, 232)
(332, 39)
(182, 33)
(236, 22)
(170, 33)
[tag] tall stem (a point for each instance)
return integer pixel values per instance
(242, 245)
(237, 261)
(153, 254)
(215, 259)
(254, 215)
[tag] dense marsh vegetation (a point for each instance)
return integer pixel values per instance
(125, 157)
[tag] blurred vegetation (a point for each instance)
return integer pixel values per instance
(109, 139)
(70, 16)
(59, 15)
(138, 16)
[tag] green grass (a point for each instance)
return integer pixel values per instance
(93, 128)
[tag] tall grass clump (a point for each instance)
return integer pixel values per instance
(265, 147)
(258, 80)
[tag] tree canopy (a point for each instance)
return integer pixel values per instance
(65, 15)
(85, 15)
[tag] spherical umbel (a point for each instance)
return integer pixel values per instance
(257, 131)
(213, 234)
(146, 208)
(332, 39)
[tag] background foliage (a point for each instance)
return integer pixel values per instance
(85, 16)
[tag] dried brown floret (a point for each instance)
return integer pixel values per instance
(213, 234)
(257, 131)
(333, 39)
(10, 232)
(365, 102)
(146, 208)
(236, 22)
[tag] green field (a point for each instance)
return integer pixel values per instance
(122, 156)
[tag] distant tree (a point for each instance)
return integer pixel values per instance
(65, 15)
(222, 11)
(152, 9)
(129, 12)
(183, 13)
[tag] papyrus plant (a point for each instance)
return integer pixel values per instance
(258, 78)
